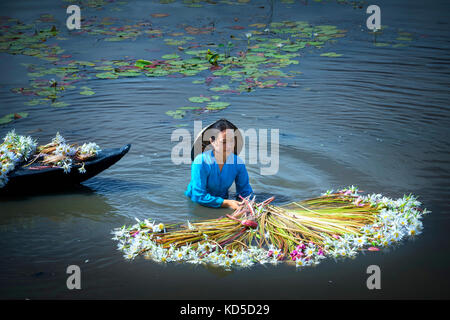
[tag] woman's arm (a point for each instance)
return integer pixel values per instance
(243, 187)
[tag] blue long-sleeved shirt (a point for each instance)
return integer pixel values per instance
(209, 186)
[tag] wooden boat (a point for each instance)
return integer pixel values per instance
(38, 177)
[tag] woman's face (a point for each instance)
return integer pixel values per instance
(224, 142)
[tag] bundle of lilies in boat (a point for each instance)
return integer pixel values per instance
(337, 224)
(61, 154)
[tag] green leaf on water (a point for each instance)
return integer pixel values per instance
(173, 42)
(221, 88)
(129, 74)
(87, 93)
(107, 75)
(217, 105)
(178, 114)
(330, 54)
(121, 64)
(196, 52)
(190, 108)
(254, 59)
(104, 68)
(142, 63)
(115, 39)
(404, 39)
(157, 73)
(170, 56)
(33, 102)
(199, 99)
(10, 117)
(59, 104)
(83, 63)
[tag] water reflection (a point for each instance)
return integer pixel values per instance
(21, 211)
(113, 185)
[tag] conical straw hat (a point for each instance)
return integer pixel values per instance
(202, 144)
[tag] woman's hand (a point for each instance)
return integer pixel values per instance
(233, 204)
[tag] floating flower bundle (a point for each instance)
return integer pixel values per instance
(336, 224)
(15, 149)
(61, 154)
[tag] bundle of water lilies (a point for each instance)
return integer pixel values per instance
(59, 153)
(336, 224)
(16, 149)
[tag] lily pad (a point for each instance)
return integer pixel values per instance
(12, 116)
(199, 99)
(157, 73)
(129, 74)
(221, 88)
(173, 42)
(142, 63)
(107, 75)
(33, 102)
(330, 54)
(87, 93)
(190, 108)
(170, 56)
(177, 114)
(59, 104)
(254, 59)
(104, 68)
(404, 39)
(217, 105)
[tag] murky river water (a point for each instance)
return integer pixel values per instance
(376, 117)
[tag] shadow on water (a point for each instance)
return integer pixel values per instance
(112, 185)
(26, 194)
(22, 210)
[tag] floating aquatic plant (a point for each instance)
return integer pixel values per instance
(13, 116)
(16, 149)
(336, 224)
(63, 155)
(255, 65)
(13, 151)
(227, 48)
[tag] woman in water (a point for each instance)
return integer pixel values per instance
(213, 171)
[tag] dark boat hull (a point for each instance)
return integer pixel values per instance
(53, 178)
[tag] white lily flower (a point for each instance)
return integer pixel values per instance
(360, 241)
